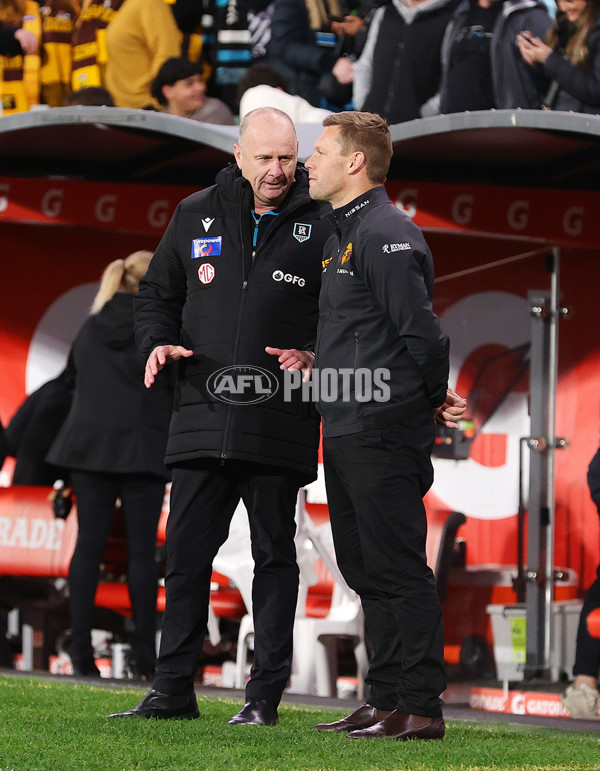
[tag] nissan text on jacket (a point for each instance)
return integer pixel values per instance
(376, 313)
(210, 290)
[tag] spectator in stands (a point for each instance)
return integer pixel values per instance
(180, 90)
(227, 46)
(355, 22)
(41, 72)
(33, 428)
(260, 15)
(20, 40)
(482, 68)
(189, 16)
(303, 48)
(569, 60)
(58, 24)
(16, 41)
(399, 68)
(139, 34)
(113, 441)
(581, 698)
(92, 96)
(262, 86)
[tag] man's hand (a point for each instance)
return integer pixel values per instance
(161, 355)
(292, 358)
(349, 26)
(451, 411)
(343, 71)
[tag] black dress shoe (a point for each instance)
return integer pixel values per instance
(256, 712)
(402, 725)
(165, 706)
(363, 717)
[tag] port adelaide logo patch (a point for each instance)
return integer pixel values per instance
(301, 232)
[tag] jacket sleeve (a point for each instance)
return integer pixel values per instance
(434, 104)
(15, 430)
(402, 282)
(162, 295)
(363, 68)
(9, 45)
(161, 35)
(581, 82)
(289, 41)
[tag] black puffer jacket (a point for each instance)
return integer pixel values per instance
(206, 291)
(115, 424)
(34, 427)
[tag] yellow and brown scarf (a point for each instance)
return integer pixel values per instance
(89, 43)
(58, 23)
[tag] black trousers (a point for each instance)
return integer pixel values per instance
(203, 499)
(375, 483)
(142, 498)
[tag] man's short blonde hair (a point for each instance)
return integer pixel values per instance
(368, 133)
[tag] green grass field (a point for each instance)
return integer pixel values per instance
(48, 724)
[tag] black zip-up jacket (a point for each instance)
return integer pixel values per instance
(205, 290)
(575, 88)
(115, 424)
(376, 314)
(399, 68)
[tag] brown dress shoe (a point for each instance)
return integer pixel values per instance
(363, 717)
(402, 725)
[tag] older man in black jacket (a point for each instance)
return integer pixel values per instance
(238, 268)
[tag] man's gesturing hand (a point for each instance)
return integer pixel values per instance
(292, 358)
(160, 356)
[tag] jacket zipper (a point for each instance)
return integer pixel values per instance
(223, 455)
(245, 279)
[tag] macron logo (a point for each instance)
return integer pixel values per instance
(207, 222)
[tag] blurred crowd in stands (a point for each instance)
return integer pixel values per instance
(214, 60)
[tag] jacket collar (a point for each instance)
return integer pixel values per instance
(346, 215)
(236, 187)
